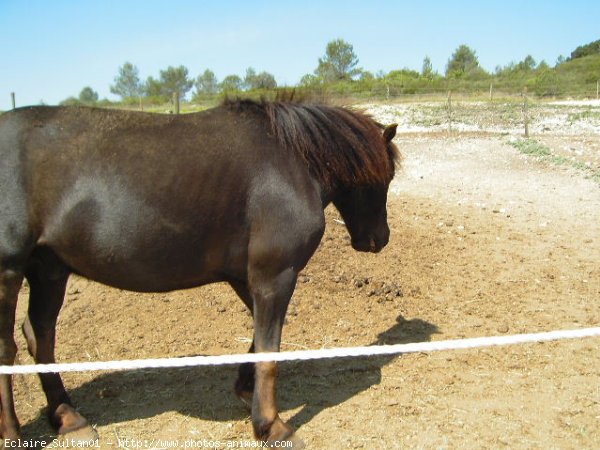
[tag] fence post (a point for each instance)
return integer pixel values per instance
(12, 97)
(491, 91)
(597, 88)
(176, 101)
(449, 112)
(525, 112)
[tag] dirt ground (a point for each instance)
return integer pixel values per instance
(485, 241)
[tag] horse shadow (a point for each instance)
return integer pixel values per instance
(207, 392)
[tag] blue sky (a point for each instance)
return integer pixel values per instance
(50, 50)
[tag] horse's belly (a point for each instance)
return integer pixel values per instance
(134, 247)
(146, 269)
(157, 269)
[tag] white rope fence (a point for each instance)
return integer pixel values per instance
(302, 355)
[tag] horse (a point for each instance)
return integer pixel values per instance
(154, 203)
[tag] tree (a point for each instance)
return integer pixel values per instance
(339, 63)
(463, 61)
(543, 65)
(527, 65)
(127, 82)
(427, 70)
(263, 80)
(546, 82)
(153, 88)
(593, 48)
(206, 84)
(249, 79)
(175, 80)
(71, 101)
(308, 80)
(367, 76)
(88, 96)
(231, 83)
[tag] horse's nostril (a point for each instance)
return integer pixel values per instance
(372, 244)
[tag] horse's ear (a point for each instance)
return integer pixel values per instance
(390, 132)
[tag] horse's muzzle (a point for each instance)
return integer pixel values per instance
(370, 245)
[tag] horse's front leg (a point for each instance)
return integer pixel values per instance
(271, 295)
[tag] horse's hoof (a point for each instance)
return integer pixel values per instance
(296, 442)
(84, 437)
(284, 436)
(66, 419)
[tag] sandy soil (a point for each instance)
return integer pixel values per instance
(485, 241)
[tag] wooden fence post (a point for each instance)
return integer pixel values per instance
(491, 91)
(597, 88)
(12, 97)
(525, 112)
(449, 112)
(176, 101)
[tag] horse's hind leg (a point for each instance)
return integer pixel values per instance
(244, 385)
(10, 283)
(47, 280)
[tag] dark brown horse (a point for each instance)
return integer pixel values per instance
(155, 203)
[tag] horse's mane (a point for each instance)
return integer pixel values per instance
(342, 146)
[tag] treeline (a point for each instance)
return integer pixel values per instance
(338, 73)
(174, 81)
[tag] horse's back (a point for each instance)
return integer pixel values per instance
(154, 202)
